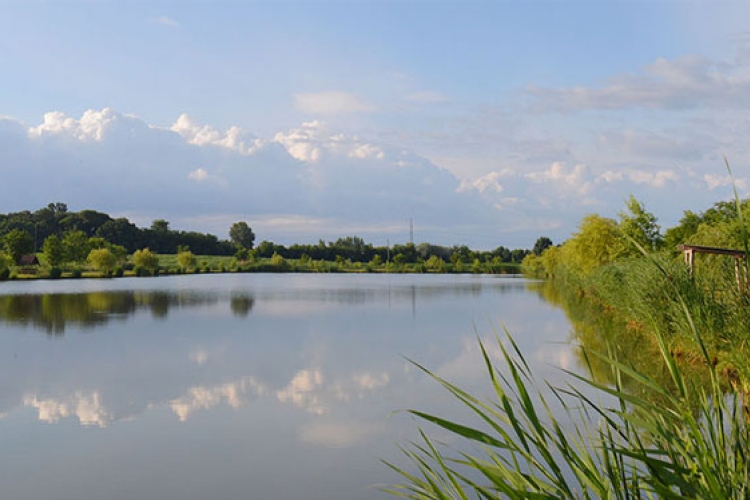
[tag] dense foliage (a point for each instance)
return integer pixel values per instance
(627, 268)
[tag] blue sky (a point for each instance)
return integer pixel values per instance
(489, 123)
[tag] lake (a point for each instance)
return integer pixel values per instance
(229, 386)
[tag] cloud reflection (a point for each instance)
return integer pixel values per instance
(203, 398)
(87, 408)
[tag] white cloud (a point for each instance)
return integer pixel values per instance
(714, 181)
(330, 103)
(576, 179)
(489, 182)
(683, 83)
(656, 179)
(91, 126)
(233, 138)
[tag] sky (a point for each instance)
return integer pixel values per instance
(480, 123)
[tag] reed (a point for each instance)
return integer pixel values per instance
(693, 443)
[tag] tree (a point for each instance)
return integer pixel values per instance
(542, 244)
(146, 259)
(241, 235)
(54, 252)
(595, 244)
(75, 246)
(5, 263)
(639, 226)
(185, 260)
(435, 264)
(160, 225)
(103, 260)
(18, 243)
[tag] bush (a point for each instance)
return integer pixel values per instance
(55, 273)
(76, 273)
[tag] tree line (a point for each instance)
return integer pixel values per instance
(56, 219)
(63, 236)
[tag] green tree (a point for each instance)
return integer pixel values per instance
(640, 226)
(241, 235)
(160, 225)
(75, 246)
(103, 260)
(146, 259)
(595, 244)
(542, 244)
(435, 264)
(278, 261)
(18, 243)
(53, 250)
(682, 233)
(5, 262)
(186, 260)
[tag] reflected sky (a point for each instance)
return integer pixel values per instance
(242, 385)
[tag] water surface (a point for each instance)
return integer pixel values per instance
(241, 385)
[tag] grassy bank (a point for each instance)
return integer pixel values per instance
(169, 265)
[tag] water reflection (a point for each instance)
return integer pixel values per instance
(599, 335)
(237, 378)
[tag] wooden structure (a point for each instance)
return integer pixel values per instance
(740, 270)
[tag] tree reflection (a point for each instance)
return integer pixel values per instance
(54, 312)
(603, 336)
(241, 305)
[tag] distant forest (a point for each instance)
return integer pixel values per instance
(56, 219)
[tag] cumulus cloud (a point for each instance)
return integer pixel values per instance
(574, 179)
(330, 103)
(204, 135)
(309, 182)
(683, 83)
(90, 126)
(489, 182)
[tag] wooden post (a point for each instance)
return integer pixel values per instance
(689, 257)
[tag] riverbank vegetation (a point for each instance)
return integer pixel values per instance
(629, 270)
(55, 243)
(661, 411)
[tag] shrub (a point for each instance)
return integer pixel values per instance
(55, 273)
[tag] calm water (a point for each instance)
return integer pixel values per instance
(241, 386)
